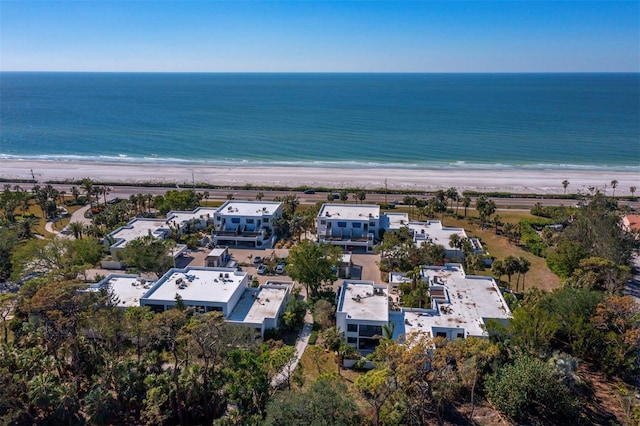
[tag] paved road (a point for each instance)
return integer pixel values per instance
(376, 198)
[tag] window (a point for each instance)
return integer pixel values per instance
(342, 224)
(352, 340)
(460, 335)
(370, 330)
(356, 224)
(372, 224)
(249, 220)
(441, 334)
(352, 328)
(323, 222)
(235, 220)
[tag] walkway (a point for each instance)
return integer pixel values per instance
(77, 216)
(301, 346)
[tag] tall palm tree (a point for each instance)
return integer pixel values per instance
(75, 194)
(565, 183)
(87, 185)
(632, 190)
(523, 268)
(466, 202)
(25, 227)
(614, 184)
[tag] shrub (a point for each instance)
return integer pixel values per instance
(313, 337)
(529, 390)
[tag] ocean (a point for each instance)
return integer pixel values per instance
(423, 121)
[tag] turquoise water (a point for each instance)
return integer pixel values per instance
(323, 120)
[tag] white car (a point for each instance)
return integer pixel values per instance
(280, 269)
(261, 270)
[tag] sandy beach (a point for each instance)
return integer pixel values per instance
(512, 180)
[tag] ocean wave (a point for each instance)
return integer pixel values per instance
(349, 164)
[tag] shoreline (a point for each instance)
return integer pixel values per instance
(538, 181)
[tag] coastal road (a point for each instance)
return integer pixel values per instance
(372, 197)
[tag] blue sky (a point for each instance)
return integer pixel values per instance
(320, 36)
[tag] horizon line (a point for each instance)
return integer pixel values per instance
(318, 72)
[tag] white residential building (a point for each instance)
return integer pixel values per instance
(138, 228)
(201, 217)
(205, 289)
(433, 232)
(349, 225)
(460, 305)
(363, 308)
(246, 223)
(261, 308)
(127, 288)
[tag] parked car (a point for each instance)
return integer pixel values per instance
(262, 269)
(280, 269)
(257, 260)
(309, 191)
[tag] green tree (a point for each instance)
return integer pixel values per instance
(313, 265)
(614, 185)
(485, 208)
(326, 402)
(529, 389)
(344, 196)
(565, 184)
(77, 228)
(148, 254)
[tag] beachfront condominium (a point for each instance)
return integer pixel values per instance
(246, 223)
(350, 226)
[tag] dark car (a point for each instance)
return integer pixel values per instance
(309, 191)
(257, 260)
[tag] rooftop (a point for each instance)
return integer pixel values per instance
(364, 300)
(180, 216)
(248, 208)
(433, 232)
(137, 228)
(198, 284)
(257, 304)
(395, 221)
(350, 211)
(128, 288)
(459, 300)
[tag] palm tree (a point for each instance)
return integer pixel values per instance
(523, 268)
(259, 195)
(362, 195)
(466, 202)
(614, 184)
(454, 241)
(77, 228)
(565, 183)
(632, 190)
(344, 196)
(497, 222)
(87, 185)
(25, 227)
(75, 193)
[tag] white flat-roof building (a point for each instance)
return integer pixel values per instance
(128, 288)
(433, 232)
(261, 308)
(138, 228)
(349, 225)
(206, 289)
(363, 308)
(460, 305)
(247, 223)
(394, 221)
(200, 218)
